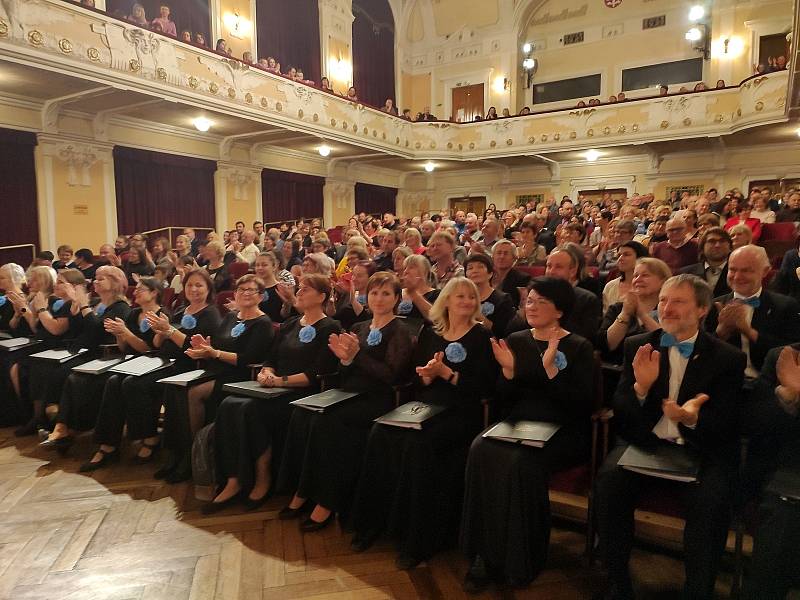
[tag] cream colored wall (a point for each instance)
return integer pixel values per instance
(451, 15)
(241, 43)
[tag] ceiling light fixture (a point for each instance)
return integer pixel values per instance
(591, 155)
(201, 124)
(429, 167)
(324, 150)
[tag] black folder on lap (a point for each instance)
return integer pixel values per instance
(319, 402)
(253, 389)
(667, 461)
(410, 415)
(527, 433)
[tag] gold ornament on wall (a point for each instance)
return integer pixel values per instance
(264, 102)
(315, 117)
(355, 128)
(213, 88)
(3, 28)
(532, 139)
(622, 129)
(161, 72)
(278, 106)
(472, 145)
(687, 121)
(248, 97)
(300, 113)
(509, 141)
(590, 133)
(231, 93)
(65, 46)
(719, 119)
(433, 145)
(35, 38)
(573, 135)
(134, 65)
(664, 124)
(366, 130)
(193, 82)
(544, 137)
(635, 127)
(606, 130)
(93, 54)
(449, 145)
(418, 145)
(492, 144)
(759, 106)
(556, 137)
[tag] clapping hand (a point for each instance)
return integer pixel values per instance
(345, 346)
(17, 300)
(504, 357)
(645, 368)
(630, 304)
(266, 377)
(39, 301)
(201, 348)
(788, 369)
(158, 323)
(686, 414)
(286, 292)
(732, 318)
(434, 368)
(115, 327)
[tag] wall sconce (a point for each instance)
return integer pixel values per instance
(501, 84)
(238, 26)
(727, 48)
(699, 34)
(529, 63)
(340, 69)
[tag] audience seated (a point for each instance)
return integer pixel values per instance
(677, 251)
(715, 248)
(164, 22)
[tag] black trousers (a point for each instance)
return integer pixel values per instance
(81, 398)
(132, 400)
(708, 513)
(776, 550)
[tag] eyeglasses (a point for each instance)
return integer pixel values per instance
(247, 291)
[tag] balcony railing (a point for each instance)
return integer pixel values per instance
(71, 39)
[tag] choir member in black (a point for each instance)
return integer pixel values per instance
(774, 414)
(637, 313)
(24, 321)
(411, 486)
(243, 338)
(354, 309)
(12, 278)
(419, 288)
(48, 379)
(686, 394)
(53, 325)
(266, 267)
(547, 376)
(141, 397)
(134, 336)
(496, 307)
(250, 432)
(324, 451)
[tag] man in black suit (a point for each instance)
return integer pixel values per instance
(565, 213)
(715, 248)
(751, 318)
(679, 386)
(776, 404)
(585, 316)
(787, 281)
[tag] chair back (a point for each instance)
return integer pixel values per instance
(238, 269)
(778, 231)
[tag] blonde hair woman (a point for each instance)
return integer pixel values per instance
(214, 253)
(413, 240)
(419, 288)
(456, 369)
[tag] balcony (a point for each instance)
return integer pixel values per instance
(83, 44)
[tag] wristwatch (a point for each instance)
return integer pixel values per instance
(41, 310)
(285, 379)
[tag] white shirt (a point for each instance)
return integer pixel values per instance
(250, 253)
(666, 428)
(749, 371)
(713, 278)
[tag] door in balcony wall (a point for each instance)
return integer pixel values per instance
(469, 204)
(771, 46)
(468, 102)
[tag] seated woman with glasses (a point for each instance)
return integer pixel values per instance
(324, 451)
(496, 307)
(547, 376)
(412, 481)
(250, 432)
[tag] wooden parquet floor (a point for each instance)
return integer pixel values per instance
(119, 534)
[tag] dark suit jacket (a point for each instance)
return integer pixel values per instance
(776, 320)
(699, 269)
(515, 279)
(715, 368)
(786, 281)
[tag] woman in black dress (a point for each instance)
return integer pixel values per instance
(12, 278)
(266, 268)
(250, 432)
(354, 309)
(214, 253)
(496, 306)
(324, 451)
(547, 376)
(412, 481)
(134, 336)
(48, 379)
(419, 291)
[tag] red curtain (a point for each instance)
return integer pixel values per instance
(20, 223)
(194, 15)
(291, 196)
(373, 51)
(375, 199)
(289, 31)
(161, 190)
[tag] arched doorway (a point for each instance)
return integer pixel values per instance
(373, 51)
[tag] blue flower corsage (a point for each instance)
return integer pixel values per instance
(57, 305)
(237, 330)
(100, 309)
(405, 307)
(487, 309)
(307, 334)
(265, 297)
(560, 361)
(3, 300)
(362, 299)
(455, 352)
(375, 337)
(188, 322)
(144, 326)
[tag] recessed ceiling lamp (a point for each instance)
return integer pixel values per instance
(201, 124)
(324, 150)
(591, 155)
(429, 167)
(696, 13)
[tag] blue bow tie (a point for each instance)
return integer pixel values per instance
(753, 301)
(685, 348)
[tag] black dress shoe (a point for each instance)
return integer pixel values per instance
(251, 505)
(363, 542)
(477, 578)
(287, 513)
(406, 562)
(143, 460)
(106, 459)
(209, 508)
(310, 525)
(61, 444)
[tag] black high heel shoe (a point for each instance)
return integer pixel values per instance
(61, 444)
(287, 513)
(250, 505)
(209, 508)
(310, 525)
(106, 459)
(143, 460)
